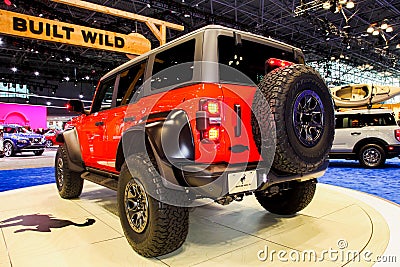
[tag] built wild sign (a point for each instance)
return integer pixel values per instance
(54, 31)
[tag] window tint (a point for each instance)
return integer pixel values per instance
(164, 77)
(383, 119)
(362, 120)
(348, 121)
(248, 57)
(9, 130)
(104, 96)
(129, 84)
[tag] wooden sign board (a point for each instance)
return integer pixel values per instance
(21, 25)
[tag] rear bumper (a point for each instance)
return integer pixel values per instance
(393, 151)
(212, 181)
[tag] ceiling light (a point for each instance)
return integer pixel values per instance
(48, 103)
(342, 2)
(148, 5)
(14, 69)
(87, 77)
(80, 96)
(341, 56)
(389, 29)
(375, 32)
(350, 5)
(370, 29)
(66, 78)
(67, 59)
(326, 5)
(398, 46)
(36, 73)
(1, 41)
(186, 16)
(384, 26)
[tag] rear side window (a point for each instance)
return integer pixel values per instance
(383, 119)
(248, 57)
(130, 83)
(362, 120)
(164, 77)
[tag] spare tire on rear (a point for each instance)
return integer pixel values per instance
(302, 108)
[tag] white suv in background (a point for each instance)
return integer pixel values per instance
(369, 135)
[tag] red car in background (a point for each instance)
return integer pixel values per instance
(51, 138)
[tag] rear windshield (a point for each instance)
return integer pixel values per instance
(248, 57)
(362, 120)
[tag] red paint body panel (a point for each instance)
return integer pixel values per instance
(99, 143)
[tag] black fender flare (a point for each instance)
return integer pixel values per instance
(168, 135)
(71, 142)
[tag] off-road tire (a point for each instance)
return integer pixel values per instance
(375, 160)
(38, 153)
(167, 226)
(70, 184)
(281, 89)
(10, 147)
(290, 201)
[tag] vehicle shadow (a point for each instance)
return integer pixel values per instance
(41, 223)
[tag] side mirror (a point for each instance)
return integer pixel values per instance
(76, 105)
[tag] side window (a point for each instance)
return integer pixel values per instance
(104, 96)
(9, 130)
(179, 54)
(130, 82)
(339, 122)
(384, 119)
(348, 121)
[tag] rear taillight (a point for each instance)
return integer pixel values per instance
(208, 120)
(397, 134)
(274, 63)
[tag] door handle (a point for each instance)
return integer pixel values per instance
(129, 119)
(99, 123)
(355, 133)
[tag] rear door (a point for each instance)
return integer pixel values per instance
(349, 130)
(128, 92)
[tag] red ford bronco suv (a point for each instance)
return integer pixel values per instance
(217, 114)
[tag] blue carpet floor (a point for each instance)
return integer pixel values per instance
(383, 182)
(13, 179)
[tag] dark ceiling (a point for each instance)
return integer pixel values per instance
(322, 34)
